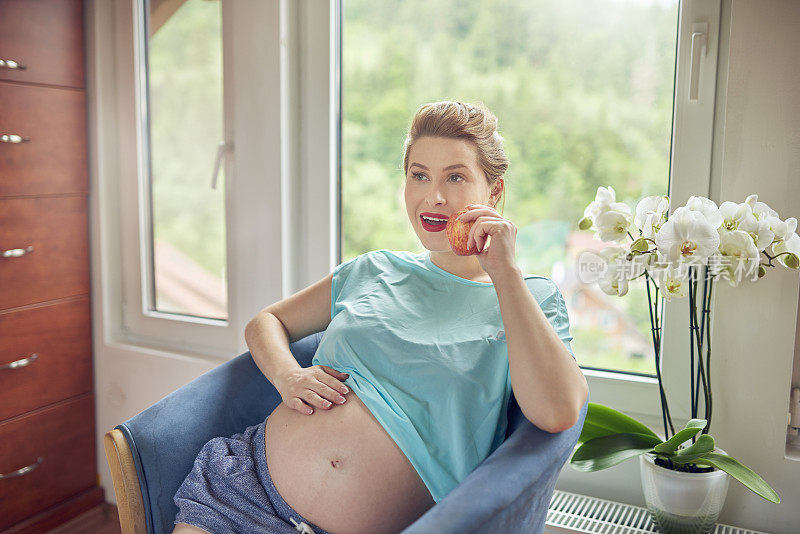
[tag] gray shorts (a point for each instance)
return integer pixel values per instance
(229, 490)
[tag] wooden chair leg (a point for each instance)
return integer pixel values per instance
(126, 483)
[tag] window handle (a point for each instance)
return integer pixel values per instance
(699, 49)
(223, 147)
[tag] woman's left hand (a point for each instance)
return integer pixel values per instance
(500, 255)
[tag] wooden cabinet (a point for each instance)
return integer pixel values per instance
(49, 157)
(53, 444)
(42, 42)
(48, 458)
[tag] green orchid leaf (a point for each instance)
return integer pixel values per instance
(607, 451)
(604, 421)
(692, 427)
(699, 448)
(741, 473)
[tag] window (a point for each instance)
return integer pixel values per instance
(197, 121)
(315, 104)
(584, 93)
(184, 138)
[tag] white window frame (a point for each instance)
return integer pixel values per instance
(282, 72)
(265, 198)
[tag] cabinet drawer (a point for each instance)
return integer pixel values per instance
(46, 36)
(58, 265)
(63, 437)
(45, 356)
(53, 160)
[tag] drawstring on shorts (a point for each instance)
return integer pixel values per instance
(302, 527)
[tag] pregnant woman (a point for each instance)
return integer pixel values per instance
(408, 390)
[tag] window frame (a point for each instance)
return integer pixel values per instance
(260, 121)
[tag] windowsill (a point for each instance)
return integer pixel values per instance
(608, 375)
(152, 349)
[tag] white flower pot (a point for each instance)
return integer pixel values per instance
(681, 502)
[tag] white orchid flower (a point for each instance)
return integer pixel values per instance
(760, 209)
(687, 235)
(603, 199)
(739, 256)
(613, 286)
(734, 214)
(759, 230)
(790, 244)
(614, 224)
(782, 229)
(672, 280)
(651, 213)
(614, 280)
(707, 207)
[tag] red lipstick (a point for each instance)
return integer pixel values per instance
(433, 226)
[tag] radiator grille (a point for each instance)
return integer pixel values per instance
(570, 513)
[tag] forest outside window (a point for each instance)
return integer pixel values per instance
(584, 96)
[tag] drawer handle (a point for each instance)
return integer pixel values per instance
(13, 138)
(24, 471)
(20, 363)
(11, 64)
(16, 252)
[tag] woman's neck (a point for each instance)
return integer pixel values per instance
(467, 267)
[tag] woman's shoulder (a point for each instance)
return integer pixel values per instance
(395, 256)
(538, 279)
(384, 260)
(542, 287)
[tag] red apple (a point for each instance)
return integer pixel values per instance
(458, 233)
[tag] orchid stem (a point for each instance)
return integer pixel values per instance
(655, 332)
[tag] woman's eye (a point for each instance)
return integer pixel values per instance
(415, 175)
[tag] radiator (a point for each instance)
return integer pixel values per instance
(573, 513)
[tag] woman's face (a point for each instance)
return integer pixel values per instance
(443, 177)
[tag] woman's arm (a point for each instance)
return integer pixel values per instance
(547, 381)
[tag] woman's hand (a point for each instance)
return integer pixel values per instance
(318, 385)
(500, 255)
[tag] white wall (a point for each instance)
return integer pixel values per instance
(756, 150)
(755, 344)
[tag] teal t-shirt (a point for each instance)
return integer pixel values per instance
(426, 353)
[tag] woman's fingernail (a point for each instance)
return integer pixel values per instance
(345, 390)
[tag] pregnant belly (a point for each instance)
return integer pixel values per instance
(342, 471)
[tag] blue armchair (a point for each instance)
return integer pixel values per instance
(509, 492)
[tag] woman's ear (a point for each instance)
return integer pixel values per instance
(497, 189)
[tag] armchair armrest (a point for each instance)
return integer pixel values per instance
(512, 488)
(221, 402)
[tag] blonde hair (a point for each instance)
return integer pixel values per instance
(459, 120)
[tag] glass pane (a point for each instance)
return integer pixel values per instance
(185, 112)
(583, 92)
